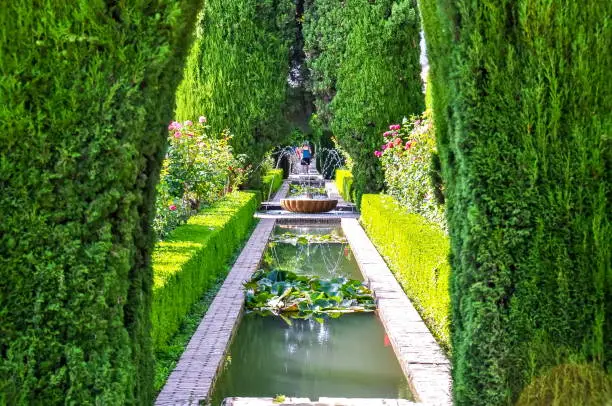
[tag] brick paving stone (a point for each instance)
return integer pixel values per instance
(424, 363)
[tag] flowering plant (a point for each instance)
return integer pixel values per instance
(406, 156)
(199, 168)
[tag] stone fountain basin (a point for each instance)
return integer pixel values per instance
(304, 205)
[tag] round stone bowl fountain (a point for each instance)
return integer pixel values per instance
(305, 205)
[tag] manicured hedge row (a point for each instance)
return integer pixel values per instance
(344, 184)
(87, 90)
(270, 183)
(190, 259)
(522, 98)
(416, 250)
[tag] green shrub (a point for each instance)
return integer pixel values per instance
(270, 183)
(87, 91)
(344, 184)
(236, 72)
(189, 261)
(365, 72)
(416, 250)
(522, 99)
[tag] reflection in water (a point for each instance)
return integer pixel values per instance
(343, 357)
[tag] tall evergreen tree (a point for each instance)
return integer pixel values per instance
(522, 98)
(87, 90)
(237, 71)
(364, 58)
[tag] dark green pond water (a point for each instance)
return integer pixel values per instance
(345, 357)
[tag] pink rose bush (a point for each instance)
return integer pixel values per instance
(406, 156)
(199, 168)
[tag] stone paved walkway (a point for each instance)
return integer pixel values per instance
(193, 377)
(420, 356)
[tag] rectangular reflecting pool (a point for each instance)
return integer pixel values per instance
(349, 356)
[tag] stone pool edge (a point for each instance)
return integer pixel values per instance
(425, 365)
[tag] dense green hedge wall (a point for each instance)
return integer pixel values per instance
(416, 250)
(236, 73)
(344, 184)
(190, 259)
(365, 73)
(270, 183)
(527, 160)
(87, 91)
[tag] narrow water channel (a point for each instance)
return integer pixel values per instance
(345, 357)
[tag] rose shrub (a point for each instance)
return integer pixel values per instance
(409, 159)
(199, 169)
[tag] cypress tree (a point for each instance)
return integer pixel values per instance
(522, 105)
(364, 58)
(236, 73)
(87, 90)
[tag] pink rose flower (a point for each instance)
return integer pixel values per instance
(387, 133)
(397, 141)
(395, 127)
(202, 119)
(177, 134)
(408, 145)
(188, 123)
(384, 147)
(172, 207)
(377, 154)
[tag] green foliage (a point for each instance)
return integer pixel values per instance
(189, 261)
(408, 158)
(237, 72)
(344, 184)
(86, 89)
(416, 250)
(271, 182)
(289, 295)
(522, 95)
(365, 72)
(569, 385)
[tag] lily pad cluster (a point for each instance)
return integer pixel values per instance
(289, 295)
(304, 239)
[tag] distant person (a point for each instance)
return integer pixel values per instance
(306, 156)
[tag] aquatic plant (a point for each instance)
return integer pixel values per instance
(289, 295)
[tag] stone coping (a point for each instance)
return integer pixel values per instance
(321, 402)
(424, 363)
(194, 376)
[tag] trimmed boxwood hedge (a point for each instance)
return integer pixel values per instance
(344, 184)
(189, 261)
(416, 250)
(271, 182)
(522, 99)
(87, 90)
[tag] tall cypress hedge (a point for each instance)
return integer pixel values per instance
(87, 90)
(364, 58)
(524, 95)
(237, 69)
